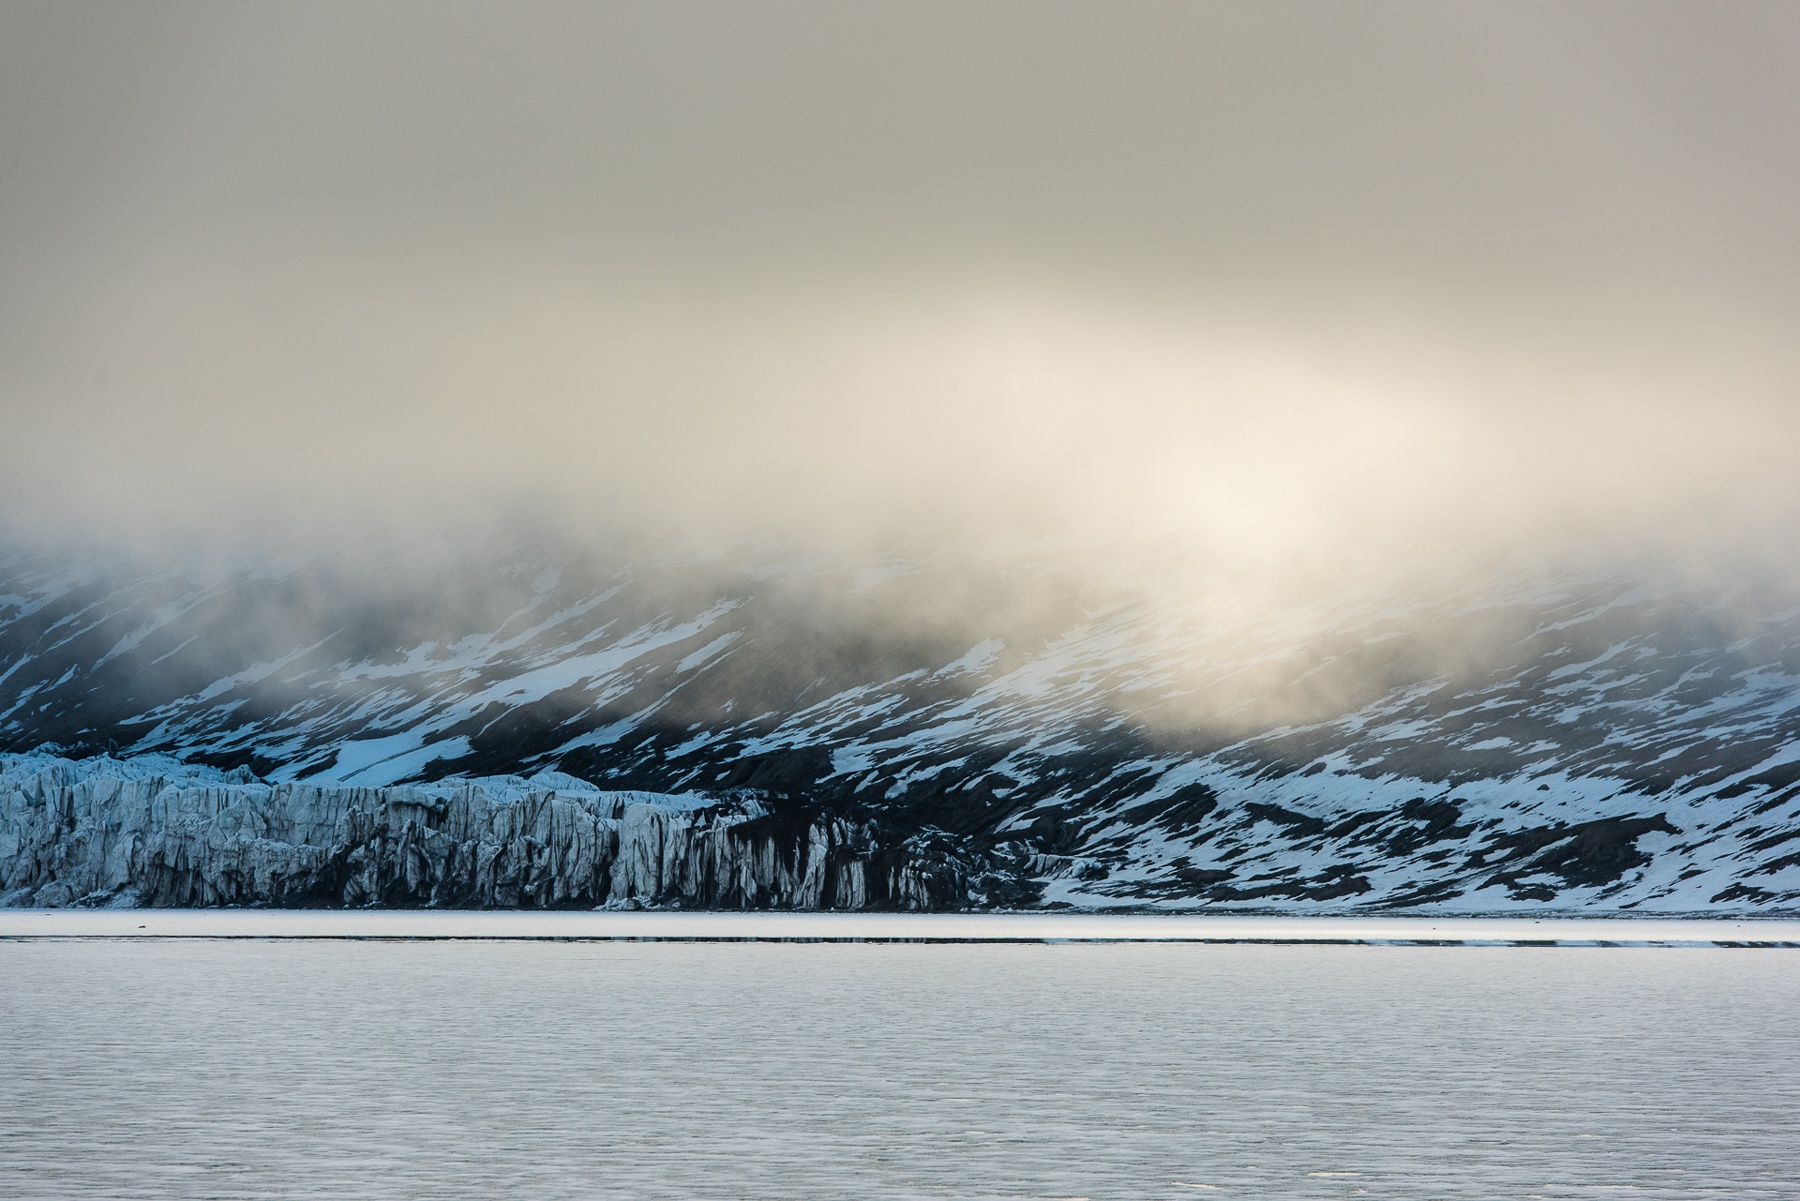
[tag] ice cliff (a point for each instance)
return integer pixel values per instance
(161, 833)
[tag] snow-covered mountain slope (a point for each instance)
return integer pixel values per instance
(1576, 741)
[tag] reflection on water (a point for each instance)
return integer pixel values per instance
(782, 1070)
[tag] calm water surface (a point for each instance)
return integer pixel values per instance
(771, 1070)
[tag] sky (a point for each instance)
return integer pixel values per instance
(1268, 279)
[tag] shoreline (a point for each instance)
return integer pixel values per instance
(636, 926)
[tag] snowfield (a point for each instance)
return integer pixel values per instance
(534, 729)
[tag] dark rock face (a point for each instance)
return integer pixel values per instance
(1590, 854)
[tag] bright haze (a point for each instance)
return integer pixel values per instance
(1270, 281)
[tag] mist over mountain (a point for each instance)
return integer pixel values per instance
(1029, 734)
(1260, 454)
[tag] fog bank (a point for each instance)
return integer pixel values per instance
(1272, 285)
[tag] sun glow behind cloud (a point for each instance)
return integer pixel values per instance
(1274, 286)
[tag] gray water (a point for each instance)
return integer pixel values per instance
(483, 1069)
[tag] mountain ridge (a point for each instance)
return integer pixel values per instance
(1579, 740)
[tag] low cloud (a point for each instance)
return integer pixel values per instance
(1253, 305)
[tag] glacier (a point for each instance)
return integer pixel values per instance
(161, 833)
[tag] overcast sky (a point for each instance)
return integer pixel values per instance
(1252, 270)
